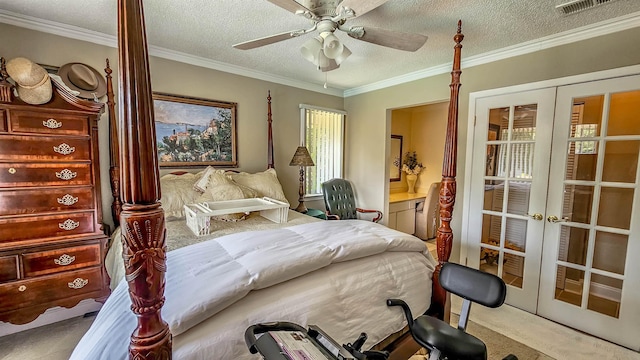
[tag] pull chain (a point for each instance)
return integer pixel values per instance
(325, 80)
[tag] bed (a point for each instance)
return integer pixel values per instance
(195, 302)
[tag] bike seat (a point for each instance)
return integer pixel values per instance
(455, 343)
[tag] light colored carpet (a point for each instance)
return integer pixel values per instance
(555, 340)
(52, 342)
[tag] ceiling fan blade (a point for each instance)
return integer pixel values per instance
(393, 39)
(289, 5)
(252, 44)
(361, 7)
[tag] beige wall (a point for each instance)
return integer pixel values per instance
(428, 132)
(401, 125)
(423, 129)
(369, 113)
(188, 80)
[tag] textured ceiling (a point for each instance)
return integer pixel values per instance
(209, 28)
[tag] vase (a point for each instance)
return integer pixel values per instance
(411, 182)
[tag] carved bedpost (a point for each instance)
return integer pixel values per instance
(270, 162)
(444, 239)
(142, 218)
(114, 156)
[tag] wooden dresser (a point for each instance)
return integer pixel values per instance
(51, 241)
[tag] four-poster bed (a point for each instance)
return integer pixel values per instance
(144, 235)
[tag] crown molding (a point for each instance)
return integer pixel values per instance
(586, 32)
(582, 33)
(95, 37)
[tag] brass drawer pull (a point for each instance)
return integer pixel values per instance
(64, 260)
(52, 123)
(22, 288)
(66, 174)
(64, 149)
(12, 171)
(69, 224)
(78, 283)
(68, 200)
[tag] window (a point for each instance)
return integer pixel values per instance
(322, 131)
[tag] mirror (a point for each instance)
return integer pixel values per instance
(395, 160)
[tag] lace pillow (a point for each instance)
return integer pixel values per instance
(264, 183)
(177, 190)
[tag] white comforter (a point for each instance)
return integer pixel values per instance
(281, 274)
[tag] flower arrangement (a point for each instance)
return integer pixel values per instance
(410, 163)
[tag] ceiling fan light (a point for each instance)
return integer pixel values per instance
(343, 56)
(311, 48)
(332, 46)
(323, 61)
(331, 65)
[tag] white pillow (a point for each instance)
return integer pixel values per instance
(177, 190)
(264, 183)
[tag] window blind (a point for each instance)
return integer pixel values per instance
(323, 135)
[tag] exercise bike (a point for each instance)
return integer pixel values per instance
(441, 339)
(285, 339)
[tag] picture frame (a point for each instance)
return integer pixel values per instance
(493, 134)
(194, 131)
(395, 160)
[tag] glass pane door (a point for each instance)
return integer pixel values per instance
(590, 265)
(509, 180)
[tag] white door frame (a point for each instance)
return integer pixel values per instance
(600, 75)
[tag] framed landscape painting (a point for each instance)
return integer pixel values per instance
(195, 132)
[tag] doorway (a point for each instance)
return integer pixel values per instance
(554, 184)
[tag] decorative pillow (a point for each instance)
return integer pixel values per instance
(264, 183)
(201, 184)
(177, 190)
(219, 188)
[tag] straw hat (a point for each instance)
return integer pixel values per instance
(32, 81)
(83, 79)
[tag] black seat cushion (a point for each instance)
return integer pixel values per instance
(452, 342)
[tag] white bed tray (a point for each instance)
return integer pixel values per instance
(199, 215)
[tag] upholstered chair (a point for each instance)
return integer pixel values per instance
(427, 214)
(340, 201)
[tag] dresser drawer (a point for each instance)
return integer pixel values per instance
(58, 260)
(44, 148)
(37, 227)
(31, 201)
(48, 123)
(40, 290)
(3, 121)
(18, 175)
(8, 268)
(400, 206)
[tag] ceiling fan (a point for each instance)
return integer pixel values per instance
(325, 50)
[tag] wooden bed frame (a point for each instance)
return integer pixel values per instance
(135, 182)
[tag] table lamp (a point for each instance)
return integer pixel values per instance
(301, 158)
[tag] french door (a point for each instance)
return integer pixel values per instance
(510, 171)
(554, 200)
(590, 275)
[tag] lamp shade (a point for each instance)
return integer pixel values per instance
(343, 56)
(311, 48)
(332, 46)
(301, 157)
